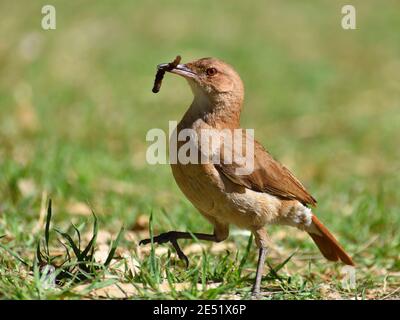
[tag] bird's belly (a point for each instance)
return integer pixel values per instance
(226, 202)
(251, 209)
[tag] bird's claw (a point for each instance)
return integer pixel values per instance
(168, 237)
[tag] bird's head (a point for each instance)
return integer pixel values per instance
(213, 79)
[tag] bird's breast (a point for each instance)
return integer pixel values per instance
(198, 183)
(214, 194)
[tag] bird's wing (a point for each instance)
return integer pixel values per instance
(268, 175)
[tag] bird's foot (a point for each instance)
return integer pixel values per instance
(255, 294)
(172, 237)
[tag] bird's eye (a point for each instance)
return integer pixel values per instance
(211, 71)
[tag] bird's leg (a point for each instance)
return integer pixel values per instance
(255, 292)
(173, 236)
(261, 240)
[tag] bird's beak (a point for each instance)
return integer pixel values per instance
(181, 69)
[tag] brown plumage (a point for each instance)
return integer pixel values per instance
(328, 245)
(268, 194)
(269, 176)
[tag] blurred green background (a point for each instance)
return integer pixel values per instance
(76, 103)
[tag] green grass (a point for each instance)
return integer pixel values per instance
(76, 103)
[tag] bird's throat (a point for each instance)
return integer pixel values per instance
(218, 113)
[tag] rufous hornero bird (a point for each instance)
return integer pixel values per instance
(269, 194)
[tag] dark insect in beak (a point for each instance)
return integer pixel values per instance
(161, 69)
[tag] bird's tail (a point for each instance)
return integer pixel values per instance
(327, 244)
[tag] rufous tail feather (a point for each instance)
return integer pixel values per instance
(327, 244)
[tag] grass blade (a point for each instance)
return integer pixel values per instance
(78, 234)
(68, 259)
(14, 254)
(153, 258)
(273, 273)
(71, 243)
(47, 230)
(245, 256)
(92, 241)
(39, 253)
(114, 247)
